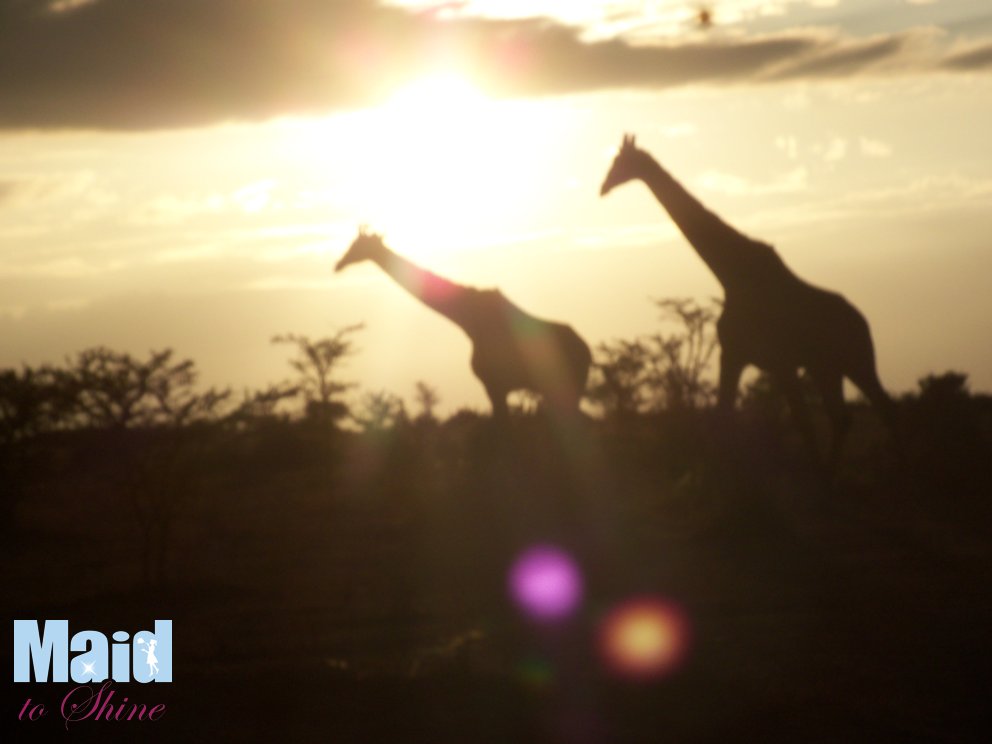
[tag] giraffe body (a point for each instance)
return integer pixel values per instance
(511, 349)
(771, 319)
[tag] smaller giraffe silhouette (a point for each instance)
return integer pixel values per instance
(771, 318)
(511, 349)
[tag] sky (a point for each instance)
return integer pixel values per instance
(185, 173)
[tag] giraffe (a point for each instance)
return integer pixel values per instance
(511, 349)
(771, 319)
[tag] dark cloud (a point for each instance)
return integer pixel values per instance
(975, 58)
(162, 63)
(135, 64)
(846, 58)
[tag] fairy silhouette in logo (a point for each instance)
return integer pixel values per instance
(151, 659)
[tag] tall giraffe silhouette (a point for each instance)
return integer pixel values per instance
(771, 318)
(511, 349)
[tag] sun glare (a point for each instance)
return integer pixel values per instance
(438, 94)
(437, 164)
(436, 132)
(438, 167)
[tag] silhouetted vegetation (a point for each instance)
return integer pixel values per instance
(315, 364)
(322, 528)
(426, 399)
(667, 370)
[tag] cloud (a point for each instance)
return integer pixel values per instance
(172, 209)
(13, 312)
(875, 148)
(9, 191)
(121, 64)
(833, 151)
(947, 193)
(67, 6)
(679, 130)
(976, 57)
(169, 209)
(19, 191)
(727, 183)
(788, 144)
(837, 57)
(62, 268)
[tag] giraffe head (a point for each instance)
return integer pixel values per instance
(365, 246)
(627, 165)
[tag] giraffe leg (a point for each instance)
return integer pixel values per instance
(565, 404)
(788, 380)
(869, 384)
(576, 361)
(831, 387)
(731, 368)
(559, 399)
(497, 398)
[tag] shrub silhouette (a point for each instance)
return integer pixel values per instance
(380, 410)
(316, 364)
(108, 389)
(426, 399)
(667, 370)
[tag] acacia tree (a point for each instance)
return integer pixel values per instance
(682, 359)
(946, 389)
(114, 390)
(947, 415)
(426, 398)
(27, 403)
(148, 417)
(27, 408)
(667, 370)
(316, 364)
(260, 405)
(380, 410)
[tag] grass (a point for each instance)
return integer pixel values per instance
(334, 586)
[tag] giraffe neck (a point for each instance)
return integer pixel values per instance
(719, 245)
(439, 294)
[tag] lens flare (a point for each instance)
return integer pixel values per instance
(545, 583)
(643, 638)
(535, 673)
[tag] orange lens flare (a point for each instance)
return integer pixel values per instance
(644, 638)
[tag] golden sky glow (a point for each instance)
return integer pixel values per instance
(211, 235)
(428, 182)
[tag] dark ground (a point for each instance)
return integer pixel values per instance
(351, 588)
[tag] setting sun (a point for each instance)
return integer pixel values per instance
(435, 95)
(439, 159)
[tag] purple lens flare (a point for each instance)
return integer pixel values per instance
(546, 583)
